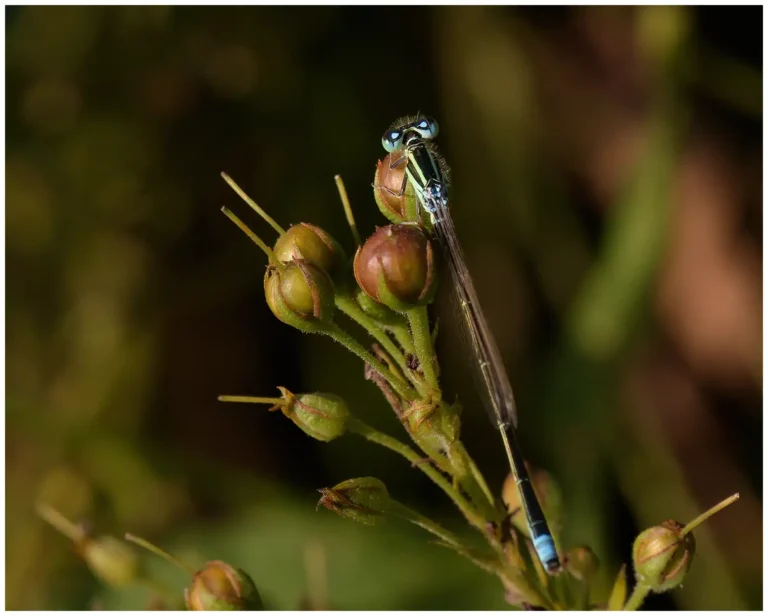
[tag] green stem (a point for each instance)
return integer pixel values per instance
(233, 185)
(369, 433)
(424, 522)
(60, 523)
(477, 492)
(478, 476)
(350, 307)
(422, 339)
(637, 597)
(151, 547)
(403, 336)
(347, 209)
(709, 513)
(253, 237)
(343, 338)
(252, 400)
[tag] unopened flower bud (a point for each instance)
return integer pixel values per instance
(582, 563)
(300, 295)
(662, 555)
(546, 491)
(312, 245)
(396, 267)
(394, 195)
(110, 559)
(218, 586)
(322, 416)
(363, 500)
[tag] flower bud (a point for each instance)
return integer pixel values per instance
(662, 555)
(394, 195)
(217, 586)
(322, 416)
(111, 560)
(363, 500)
(312, 245)
(396, 267)
(434, 426)
(546, 491)
(300, 295)
(582, 563)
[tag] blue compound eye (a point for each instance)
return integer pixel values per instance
(392, 140)
(426, 127)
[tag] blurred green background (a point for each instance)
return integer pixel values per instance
(607, 186)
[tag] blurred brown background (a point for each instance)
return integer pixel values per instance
(607, 186)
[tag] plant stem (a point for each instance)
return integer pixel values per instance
(150, 547)
(347, 208)
(477, 476)
(403, 336)
(350, 307)
(369, 433)
(253, 237)
(422, 338)
(343, 338)
(709, 513)
(60, 523)
(252, 400)
(424, 522)
(637, 597)
(233, 185)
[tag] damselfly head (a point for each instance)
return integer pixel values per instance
(419, 127)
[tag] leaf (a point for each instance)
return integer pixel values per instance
(619, 592)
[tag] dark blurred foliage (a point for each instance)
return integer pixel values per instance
(607, 186)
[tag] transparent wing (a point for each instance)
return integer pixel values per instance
(487, 366)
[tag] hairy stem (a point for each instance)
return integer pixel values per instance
(403, 389)
(369, 433)
(350, 307)
(422, 339)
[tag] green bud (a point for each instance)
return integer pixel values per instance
(397, 203)
(434, 425)
(300, 295)
(313, 245)
(582, 563)
(363, 500)
(662, 555)
(218, 586)
(396, 267)
(322, 416)
(110, 559)
(547, 492)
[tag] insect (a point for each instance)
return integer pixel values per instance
(413, 139)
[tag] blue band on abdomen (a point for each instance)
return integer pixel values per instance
(545, 548)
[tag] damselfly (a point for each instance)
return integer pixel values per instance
(427, 174)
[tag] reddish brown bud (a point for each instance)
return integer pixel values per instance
(396, 267)
(394, 195)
